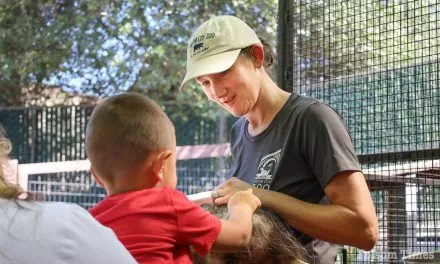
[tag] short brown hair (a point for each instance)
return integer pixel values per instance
(123, 130)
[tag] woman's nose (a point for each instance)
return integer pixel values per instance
(218, 91)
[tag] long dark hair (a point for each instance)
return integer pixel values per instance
(269, 55)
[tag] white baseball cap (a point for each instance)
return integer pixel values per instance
(215, 46)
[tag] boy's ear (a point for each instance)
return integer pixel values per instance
(159, 163)
(96, 178)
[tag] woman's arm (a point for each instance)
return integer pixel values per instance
(350, 219)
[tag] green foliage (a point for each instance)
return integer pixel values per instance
(32, 43)
(102, 47)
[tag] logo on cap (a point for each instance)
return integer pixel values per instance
(198, 46)
(198, 43)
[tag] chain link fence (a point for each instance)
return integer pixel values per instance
(51, 134)
(377, 63)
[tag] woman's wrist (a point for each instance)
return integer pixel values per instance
(262, 194)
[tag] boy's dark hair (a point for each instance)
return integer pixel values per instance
(271, 242)
(123, 130)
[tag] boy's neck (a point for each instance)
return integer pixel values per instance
(270, 101)
(129, 184)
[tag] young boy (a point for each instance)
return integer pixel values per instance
(131, 145)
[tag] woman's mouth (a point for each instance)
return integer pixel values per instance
(227, 100)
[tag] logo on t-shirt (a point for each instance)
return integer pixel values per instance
(266, 170)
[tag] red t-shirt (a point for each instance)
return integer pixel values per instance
(158, 225)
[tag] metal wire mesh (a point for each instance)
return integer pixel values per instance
(56, 134)
(194, 176)
(376, 63)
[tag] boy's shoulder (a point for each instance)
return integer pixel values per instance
(135, 200)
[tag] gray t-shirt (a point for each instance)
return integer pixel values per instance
(305, 145)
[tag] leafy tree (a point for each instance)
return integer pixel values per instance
(33, 44)
(102, 47)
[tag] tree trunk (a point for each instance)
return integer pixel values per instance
(10, 91)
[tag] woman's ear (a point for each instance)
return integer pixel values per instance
(257, 52)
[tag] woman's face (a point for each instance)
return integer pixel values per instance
(235, 89)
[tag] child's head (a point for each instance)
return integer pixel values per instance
(131, 144)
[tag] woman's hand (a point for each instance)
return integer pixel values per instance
(223, 192)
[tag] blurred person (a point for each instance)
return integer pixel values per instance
(50, 232)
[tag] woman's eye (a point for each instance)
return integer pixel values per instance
(205, 83)
(223, 73)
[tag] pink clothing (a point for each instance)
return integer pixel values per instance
(158, 225)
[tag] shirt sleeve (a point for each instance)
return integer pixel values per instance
(196, 226)
(327, 145)
(93, 242)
